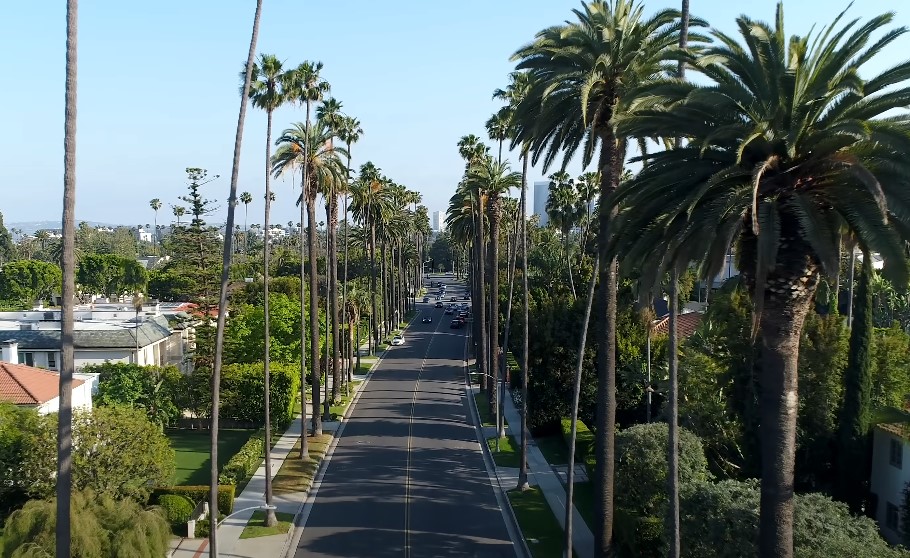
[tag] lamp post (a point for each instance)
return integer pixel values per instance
(264, 507)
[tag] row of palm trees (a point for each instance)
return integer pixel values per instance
(785, 145)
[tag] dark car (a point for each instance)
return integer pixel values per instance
(426, 299)
(449, 311)
(466, 297)
(456, 324)
(427, 320)
(439, 304)
(453, 299)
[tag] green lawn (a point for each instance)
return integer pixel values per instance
(554, 449)
(483, 407)
(296, 475)
(583, 499)
(192, 452)
(509, 454)
(538, 525)
(256, 526)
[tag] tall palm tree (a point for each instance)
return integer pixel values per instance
(582, 80)
(305, 85)
(368, 204)
(349, 133)
(587, 185)
(246, 199)
(498, 128)
(155, 204)
(808, 149)
(496, 180)
(562, 209)
(179, 211)
(225, 275)
(266, 93)
(68, 263)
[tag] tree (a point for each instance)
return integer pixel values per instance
(7, 248)
(349, 133)
(562, 209)
(28, 281)
(117, 452)
(155, 204)
(104, 528)
(225, 275)
(266, 93)
(179, 212)
(782, 201)
(68, 265)
(153, 389)
(582, 81)
(244, 336)
(111, 275)
(18, 427)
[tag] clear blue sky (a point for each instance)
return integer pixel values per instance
(158, 90)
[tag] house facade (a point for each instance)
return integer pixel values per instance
(27, 386)
(890, 476)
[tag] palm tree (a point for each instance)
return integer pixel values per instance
(225, 274)
(582, 80)
(266, 93)
(305, 85)
(349, 133)
(496, 180)
(562, 209)
(808, 149)
(498, 128)
(586, 185)
(68, 263)
(368, 204)
(155, 204)
(179, 211)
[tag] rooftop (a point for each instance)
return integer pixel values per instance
(88, 334)
(27, 385)
(686, 324)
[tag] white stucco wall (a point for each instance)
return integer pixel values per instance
(887, 481)
(82, 397)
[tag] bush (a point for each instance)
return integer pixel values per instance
(642, 537)
(177, 508)
(584, 442)
(101, 526)
(244, 463)
(720, 520)
(238, 381)
(641, 467)
(198, 494)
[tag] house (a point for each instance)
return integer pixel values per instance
(103, 332)
(686, 324)
(890, 476)
(27, 386)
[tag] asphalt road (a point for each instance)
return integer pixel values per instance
(407, 478)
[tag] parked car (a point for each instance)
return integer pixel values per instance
(427, 319)
(398, 340)
(438, 304)
(456, 324)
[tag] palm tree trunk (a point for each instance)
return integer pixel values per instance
(612, 156)
(67, 365)
(344, 284)
(225, 278)
(576, 395)
(375, 329)
(270, 519)
(315, 371)
(495, 357)
(511, 257)
(523, 460)
(304, 442)
(333, 294)
(565, 240)
(480, 302)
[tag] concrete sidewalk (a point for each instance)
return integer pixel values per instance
(542, 475)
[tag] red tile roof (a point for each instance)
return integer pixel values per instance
(26, 385)
(686, 324)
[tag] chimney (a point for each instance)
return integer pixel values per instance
(9, 352)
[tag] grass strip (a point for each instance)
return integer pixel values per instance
(508, 454)
(296, 475)
(483, 407)
(553, 449)
(256, 525)
(539, 526)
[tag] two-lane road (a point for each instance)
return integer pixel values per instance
(407, 478)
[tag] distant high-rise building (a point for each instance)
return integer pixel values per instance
(438, 221)
(541, 193)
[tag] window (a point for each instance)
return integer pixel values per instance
(27, 359)
(897, 453)
(52, 360)
(891, 516)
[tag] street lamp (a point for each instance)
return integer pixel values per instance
(218, 524)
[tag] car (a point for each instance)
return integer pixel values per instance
(426, 299)
(456, 324)
(439, 304)
(449, 311)
(453, 299)
(427, 320)
(466, 297)
(438, 297)
(398, 340)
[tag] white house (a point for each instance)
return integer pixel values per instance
(890, 476)
(27, 386)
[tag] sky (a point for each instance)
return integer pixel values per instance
(158, 91)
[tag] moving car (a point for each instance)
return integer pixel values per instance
(449, 311)
(426, 299)
(438, 304)
(427, 320)
(453, 299)
(456, 324)
(466, 297)
(398, 340)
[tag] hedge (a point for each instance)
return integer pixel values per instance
(243, 384)
(245, 462)
(197, 494)
(177, 508)
(584, 442)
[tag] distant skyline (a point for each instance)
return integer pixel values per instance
(158, 91)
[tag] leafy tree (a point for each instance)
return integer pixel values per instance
(102, 528)
(18, 427)
(244, 336)
(153, 389)
(441, 251)
(117, 452)
(238, 381)
(7, 248)
(890, 367)
(29, 280)
(170, 284)
(111, 275)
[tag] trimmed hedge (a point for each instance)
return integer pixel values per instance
(197, 494)
(584, 442)
(244, 463)
(238, 381)
(177, 508)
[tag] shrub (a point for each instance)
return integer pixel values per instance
(245, 462)
(642, 537)
(238, 381)
(197, 494)
(641, 467)
(584, 442)
(176, 508)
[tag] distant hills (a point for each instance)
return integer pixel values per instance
(31, 227)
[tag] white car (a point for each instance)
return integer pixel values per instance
(398, 340)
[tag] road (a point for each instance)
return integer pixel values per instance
(407, 478)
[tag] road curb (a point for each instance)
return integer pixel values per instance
(490, 465)
(303, 512)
